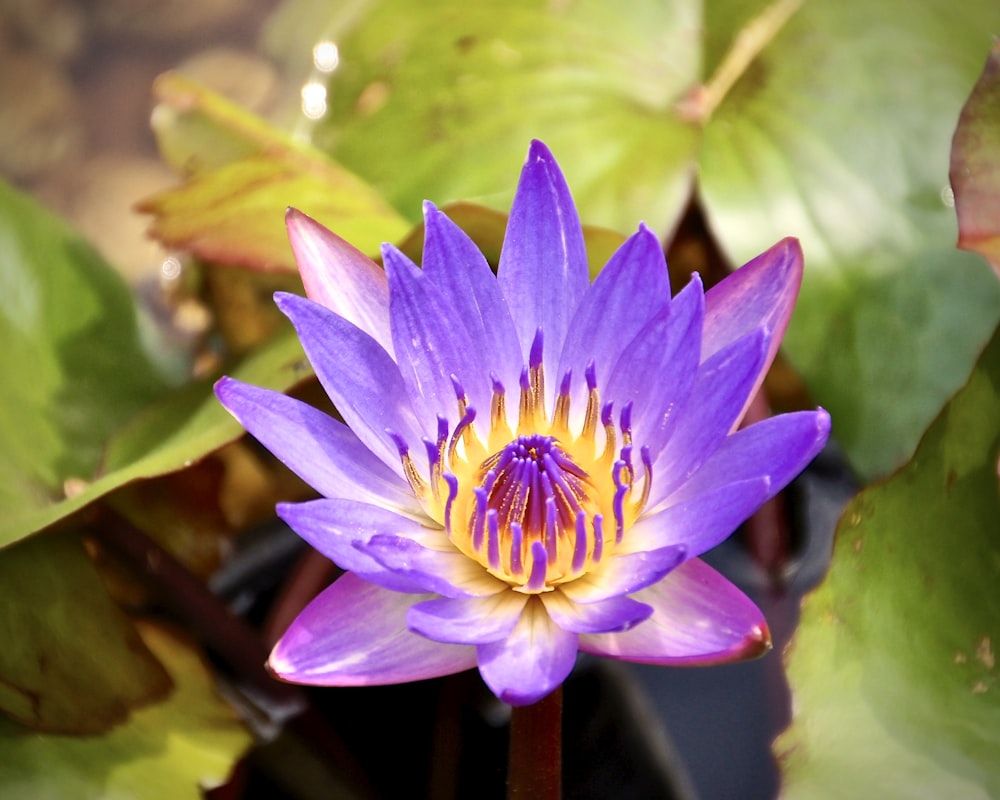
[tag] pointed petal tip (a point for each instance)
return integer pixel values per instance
(539, 151)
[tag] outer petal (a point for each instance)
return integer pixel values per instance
(657, 369)
(322, 451)
(613, 614)
(778, 448)
(354, 634)
(624, 574)
(443, 571)
(699, 618)
(612, 312)
(700, 522)
(455, 265)
(360, 377)
(339, 276)
(531, 662)
(713, 408)
(761, 293)
(334, 527)
(432, 342)
(475, 620)
(543, 263)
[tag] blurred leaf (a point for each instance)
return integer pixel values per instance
(242, 178)
(71, 661)
(839, 133)
(975, 165)
(826, 121)
(72, 365)
(439, 99)
(893, 668)
(166, 750)
(198, 130)
(183, 426)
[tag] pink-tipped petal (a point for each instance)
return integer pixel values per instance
(624, 574)
(354, 634)
(699, 618)
(759, 294)
(322, 451)
(530, 663)
(473, 620)
(339, 276)
(334, 527)
(543, 264)
(712, 410)
(361, 379)
(444, 571)
(613, 614)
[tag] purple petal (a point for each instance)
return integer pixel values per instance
(354, 634)
(624, 574)
(700, 522)
(535, 659)
(759, 294)
(613, 306)
(778, 448)
(446, 572)
(339, 276)
(543, 264)
(360, 377)
(333, 527)
(472, 620)
(713, 409)
(699, 618)
(432, 342)
(459, 271)
(658, 368)
(322, 451)
(613, 614)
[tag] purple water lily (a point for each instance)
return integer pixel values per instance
(531, 463)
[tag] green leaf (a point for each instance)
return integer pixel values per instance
(826, 121)
(71, 661)
(243, 175)
(975, 165)
(893, 669)
(167, 750)
(439, 100)
(183, 426)
(839, 134)
(72, 364)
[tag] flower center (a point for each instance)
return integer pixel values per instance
(533, 506)
(540, 506)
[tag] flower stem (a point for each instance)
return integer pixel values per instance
(534, 767)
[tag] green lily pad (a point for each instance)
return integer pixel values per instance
(72, 363)
(172, 749)
(826, 121)
(975, 165)
(71, 661)
(184, 425)
(242, 175)
(893, 669)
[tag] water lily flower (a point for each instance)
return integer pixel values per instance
(531, 462)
